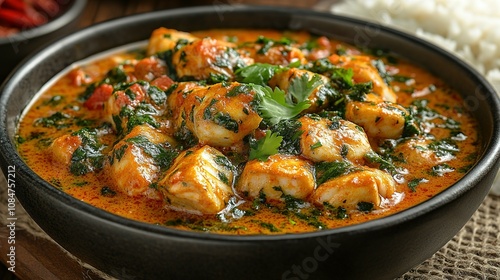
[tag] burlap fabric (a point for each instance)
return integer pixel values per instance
(474, 253)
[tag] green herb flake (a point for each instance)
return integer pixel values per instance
(157, 95)
(316, 145)
(226, 121)
(162, 154)
(268, 226)
(107, 191)
(413, 184)
(329, 170)
(265, 147)
(57, 120)
(365, 206)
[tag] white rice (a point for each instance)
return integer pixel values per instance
(469, 29)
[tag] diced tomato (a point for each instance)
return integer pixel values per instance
(163, 82)
(100, 95)
(131, 96)
(138, 92)
(149, 68)
(324, 42)
(79, 77)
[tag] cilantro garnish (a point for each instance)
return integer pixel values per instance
(275, 105)
(263, 148)
(258, 73)
(301, 87)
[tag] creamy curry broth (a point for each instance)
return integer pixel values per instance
(422, 160)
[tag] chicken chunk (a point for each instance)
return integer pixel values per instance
(364, 71)
(63, 147)
(209, 59)
(138, 159)
(81, 151)
(177, 96)
(278, 175)
(330, 140)
(417, 152)
(276, 55)
(163, 39)
(368, 185)
(199, 181)
(219, 115)
(384, 120)
(139, 103)
(318, 96)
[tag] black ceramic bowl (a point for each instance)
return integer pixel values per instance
(379, 249)
(16, 47)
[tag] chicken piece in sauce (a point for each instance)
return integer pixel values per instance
(199, 181)
(135, 161)
(367, 185)
(279, 175)
(163, 39)
(330, 140)
(380, 119)
(217, 115)
(364, 71)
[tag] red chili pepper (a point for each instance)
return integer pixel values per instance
(16, 19)
(49, 7)
(18, 5)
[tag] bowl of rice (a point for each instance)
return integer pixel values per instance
(468, 29)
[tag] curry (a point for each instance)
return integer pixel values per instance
(249, 132)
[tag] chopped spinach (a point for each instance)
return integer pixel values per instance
(329, 170)
(413, 183)
(57, 120)
(365, 206)
(88, 156)
(162, 154)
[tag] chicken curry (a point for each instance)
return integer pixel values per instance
(249, 132)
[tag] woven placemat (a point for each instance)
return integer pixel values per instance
(474, 253)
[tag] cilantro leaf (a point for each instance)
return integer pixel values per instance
(274, 107)
(263, 148)
(343, 77)
(301, 87)
(258, 73)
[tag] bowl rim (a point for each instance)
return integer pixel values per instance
(74, 10)
(486, 162)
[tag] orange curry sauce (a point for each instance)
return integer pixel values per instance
(426, 164)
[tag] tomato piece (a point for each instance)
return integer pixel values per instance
(132, 96)
(79, 77)
(163, 82)
(100, 95)
(149, 68)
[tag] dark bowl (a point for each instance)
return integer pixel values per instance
(16, 47)
(126, 249)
